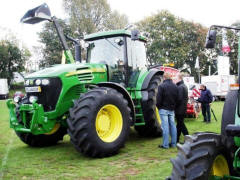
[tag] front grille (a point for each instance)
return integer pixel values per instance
(28, 120)
(49, 95)
(85, 77)
(28, 117)
(84, 74)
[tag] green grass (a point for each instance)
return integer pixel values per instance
(139, 159)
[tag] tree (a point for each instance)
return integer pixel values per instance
(88, 16)
(52, 49)
(232, 37)
(116, 21)
(172, 39)
(233, 54)
(12, 59)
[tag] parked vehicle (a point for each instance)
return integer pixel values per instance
(193, 108)
(4, 89)
(189, 82)
(94, 102)
(174, 72)
(219, 85)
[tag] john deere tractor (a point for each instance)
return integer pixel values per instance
(95, 102)
(209, 155)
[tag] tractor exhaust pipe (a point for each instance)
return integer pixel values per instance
(77, 48)
(78, 53)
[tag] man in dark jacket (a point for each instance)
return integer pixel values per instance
(181, 108)
(166, 102)
(205, 100)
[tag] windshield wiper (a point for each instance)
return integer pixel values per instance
(113, 44)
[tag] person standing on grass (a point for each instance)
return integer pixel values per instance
(166, 102)
(205, 99)
(181, 107)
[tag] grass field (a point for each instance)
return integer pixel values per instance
(139, 159)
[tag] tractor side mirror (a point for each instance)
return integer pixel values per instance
(135, 35)
(211, 39)
(37, 15)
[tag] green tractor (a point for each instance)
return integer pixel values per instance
(95, 102)
(209, 155)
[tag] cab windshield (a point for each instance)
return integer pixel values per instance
(106, 51)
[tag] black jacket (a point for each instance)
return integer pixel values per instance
(182, 98)
(167, 95)
(206, 96)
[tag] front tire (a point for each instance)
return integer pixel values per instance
(41, 140)
(99, 122)
(152, 120)
(201, 157)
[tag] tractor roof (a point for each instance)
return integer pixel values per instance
(118, 32)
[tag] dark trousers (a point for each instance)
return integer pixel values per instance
(181, 128)
(206, 112)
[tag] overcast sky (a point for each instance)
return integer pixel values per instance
(206, 12)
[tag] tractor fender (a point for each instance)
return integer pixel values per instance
(125, 94)
(147, 80)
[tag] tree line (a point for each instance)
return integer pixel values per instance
(170, 38)
(12, 58)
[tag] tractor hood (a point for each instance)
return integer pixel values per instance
(67, 69)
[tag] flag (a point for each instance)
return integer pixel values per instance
(197, 64)
(225, 46)
(196, 93)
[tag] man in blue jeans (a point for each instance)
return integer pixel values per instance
(166, 102)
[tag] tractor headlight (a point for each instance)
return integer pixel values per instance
(16, 99)
(27, 82)
(38, 82)
(33, 99)
(45, 82)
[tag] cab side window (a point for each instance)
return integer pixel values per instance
(136, 60)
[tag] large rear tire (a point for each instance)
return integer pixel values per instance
(201, 157)
(99, 122)
(228, 117)
(152, 120)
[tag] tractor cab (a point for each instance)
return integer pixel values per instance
(124, 55)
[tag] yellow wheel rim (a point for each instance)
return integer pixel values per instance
(109, 123)
(55, 128)
(157, 116)
(220, 167)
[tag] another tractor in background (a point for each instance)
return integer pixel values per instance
(212, 156)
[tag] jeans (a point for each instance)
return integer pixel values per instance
(206, 112)
(181, 128)
(168, 125)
